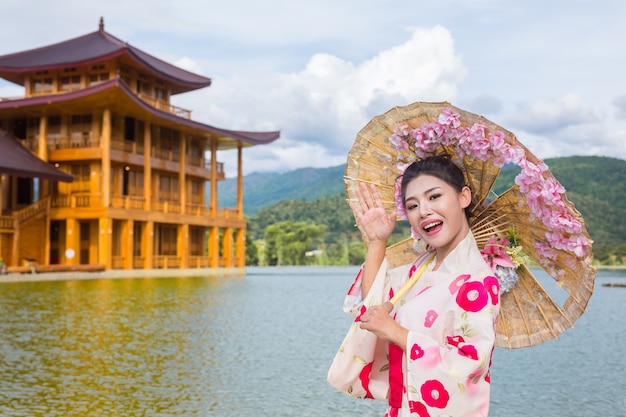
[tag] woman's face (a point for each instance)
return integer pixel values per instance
(436, 211)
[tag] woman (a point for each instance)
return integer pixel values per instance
(439, 337)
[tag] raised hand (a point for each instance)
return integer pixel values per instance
(370, 214)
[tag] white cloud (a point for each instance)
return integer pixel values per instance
(620, 103)
(548, 116)
(325, 104)
(318, 71)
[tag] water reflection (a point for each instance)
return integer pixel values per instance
(258, 346)
(114, 347)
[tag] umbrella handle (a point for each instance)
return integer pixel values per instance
(397, 296)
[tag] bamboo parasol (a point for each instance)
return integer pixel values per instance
(536, 211)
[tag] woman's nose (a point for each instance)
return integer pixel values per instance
(424, 209)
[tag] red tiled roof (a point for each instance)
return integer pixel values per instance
(228, 139)
(92, 48)
(16, 160)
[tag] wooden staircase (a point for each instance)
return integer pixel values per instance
(22, 219)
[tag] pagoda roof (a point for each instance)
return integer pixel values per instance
(16, 160)
(90, 49)
(117, 95)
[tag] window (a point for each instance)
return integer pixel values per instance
(129, 128)
(80, 123)
(166, 238)
(81, 174)
(133, 183)
(54, 125)
(168, 188)
(196, 191)
(70, 82)
(98, 74)
(98, 78)
(42, 84)
(160, 90)
(126, 74)
(197, 242)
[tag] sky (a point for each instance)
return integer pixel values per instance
(552, 72)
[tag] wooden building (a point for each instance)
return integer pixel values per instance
(99, 109)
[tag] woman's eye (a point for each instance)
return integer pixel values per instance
(435, 196)
(411, 206)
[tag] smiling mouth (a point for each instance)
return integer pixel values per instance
(431, 226)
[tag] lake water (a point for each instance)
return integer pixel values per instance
(257, 346)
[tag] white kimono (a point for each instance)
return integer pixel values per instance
(451, 317)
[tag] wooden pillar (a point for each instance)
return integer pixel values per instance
(42, 153)
(240, 238)
(214, 247)
(105, 143)
(148, 243)
(213, 202)
(72, 242)
(3, 187)
(227, 247)
(147, 169)
(183, 245)
(2, 176)
(42, 140)
(182, 178)
(46, 242)
(240, 251)
(239, 181)
(104, 242)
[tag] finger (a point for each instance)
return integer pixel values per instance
(388, 306)
(360, 197)
(367, 195)
(357, 210)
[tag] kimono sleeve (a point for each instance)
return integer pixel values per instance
(379, 292)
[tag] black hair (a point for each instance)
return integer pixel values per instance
(440, 166)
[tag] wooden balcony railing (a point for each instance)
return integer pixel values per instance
(7, 222)
(78, 200)
(33, 210)
(127, 146)
(128, 202)
(166, 206)
(166, 261)
(88, 140)
(197, 209)
(198, 262)
(84, 200)
(117, 262)
(71, 141)
(138, 262)
(165, 106)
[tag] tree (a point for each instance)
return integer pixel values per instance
(287, 243)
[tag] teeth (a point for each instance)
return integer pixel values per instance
(431, 225)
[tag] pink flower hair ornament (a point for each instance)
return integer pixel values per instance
(543, 194)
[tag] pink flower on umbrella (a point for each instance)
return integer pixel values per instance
(495, 253)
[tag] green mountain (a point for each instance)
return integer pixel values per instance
(596, 186)
(264, 189)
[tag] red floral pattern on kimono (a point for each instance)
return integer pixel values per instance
(451, 315)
